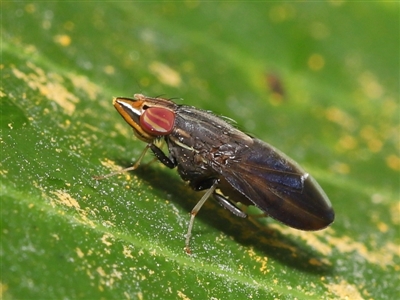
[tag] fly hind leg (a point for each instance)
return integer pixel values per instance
(225, 203)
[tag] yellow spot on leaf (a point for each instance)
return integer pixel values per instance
(62, 39)
(66, 199)
(165, 74)
(84, 84)
(181, 295)
(101, 271)
(395, 213)
(109, 70)
(127, 252)
(341, 168)
(383, 227)
(3, 289)
(316, 62)
(393, 162)
(30, 8)
(383, 257)
(340, 117)
(50, 85)
(104, 239)
(370, 85)
(345, 290)
(348, 142)
(79, 252)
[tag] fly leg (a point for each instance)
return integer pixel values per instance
(157, 152)
(241, 210)
(225, 203)
(162, 157)
(194, 212)
(134, 167)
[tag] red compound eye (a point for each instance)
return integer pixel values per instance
(157, 121)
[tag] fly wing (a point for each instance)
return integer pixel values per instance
(280, 187)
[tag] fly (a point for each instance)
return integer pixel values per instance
(212, 155)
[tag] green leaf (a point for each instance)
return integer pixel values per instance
(319, 81)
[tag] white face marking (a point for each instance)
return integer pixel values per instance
(130, 107)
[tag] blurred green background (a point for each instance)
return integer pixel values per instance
(318, 80)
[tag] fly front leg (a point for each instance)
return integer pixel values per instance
(162, 157)
(134, 167)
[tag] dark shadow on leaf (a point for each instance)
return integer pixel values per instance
(267, 240)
